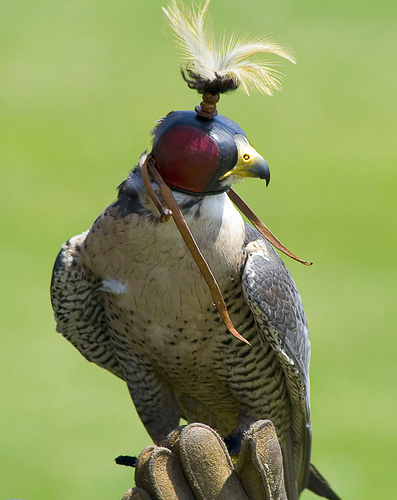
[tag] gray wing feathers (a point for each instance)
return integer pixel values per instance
(274, 293)
(78, 307)
(277, 307)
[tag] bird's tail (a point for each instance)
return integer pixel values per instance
(317, 484)
(289, 469)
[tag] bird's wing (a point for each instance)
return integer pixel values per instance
(277, 307)
(77, 301)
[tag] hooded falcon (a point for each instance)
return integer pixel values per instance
(199, 315)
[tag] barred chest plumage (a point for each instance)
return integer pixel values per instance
(146, 267)
(160, 311)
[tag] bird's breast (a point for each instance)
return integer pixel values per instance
(159, 310)
(154, 294)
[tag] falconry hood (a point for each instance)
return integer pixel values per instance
(200, 155)
(201, 152)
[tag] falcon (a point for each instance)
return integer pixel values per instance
(210, 326)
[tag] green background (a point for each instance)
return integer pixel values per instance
(81, 83)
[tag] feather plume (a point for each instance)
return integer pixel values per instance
(217, 68)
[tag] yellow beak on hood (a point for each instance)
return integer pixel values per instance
(249, 162)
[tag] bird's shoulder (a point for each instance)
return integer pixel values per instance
(77, 301)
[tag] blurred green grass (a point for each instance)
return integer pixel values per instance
(81, 85)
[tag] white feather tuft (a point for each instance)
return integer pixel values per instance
(236, 61)
(114, 286)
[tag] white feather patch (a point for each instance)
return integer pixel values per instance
(114, 286)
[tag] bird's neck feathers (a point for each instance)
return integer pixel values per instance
(213, 220)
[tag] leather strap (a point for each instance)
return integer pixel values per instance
(260, 226)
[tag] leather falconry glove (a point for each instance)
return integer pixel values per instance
(194, 464)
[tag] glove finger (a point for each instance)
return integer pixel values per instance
(136, 494)
(159, 473)
(260, 463)
(207, 464)
(172, 441)
(141, 467)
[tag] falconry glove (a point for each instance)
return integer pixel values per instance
(195, 464)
